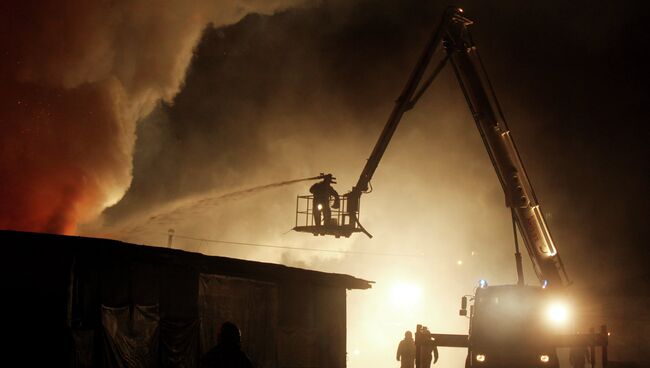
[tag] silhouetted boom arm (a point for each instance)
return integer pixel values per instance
(520, 196)
(409, 96)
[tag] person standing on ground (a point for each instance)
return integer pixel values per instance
(406, 351)
(426, 351)
(227, 353)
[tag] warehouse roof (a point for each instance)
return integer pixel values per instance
(24, 245)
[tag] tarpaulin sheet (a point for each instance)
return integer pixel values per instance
(179, 343)
(251, 305)
(138, 323)
(131, 336)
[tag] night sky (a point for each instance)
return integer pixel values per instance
(115, 113)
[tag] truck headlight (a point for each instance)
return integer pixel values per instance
(544, 358)
(557, 313)
(480, 358)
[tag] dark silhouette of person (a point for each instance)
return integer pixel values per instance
(227, 353)
(322, 192)
(406, 351)
(578, 356)
(426, 351)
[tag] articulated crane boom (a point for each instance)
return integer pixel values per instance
(404, 102)
(454, 37)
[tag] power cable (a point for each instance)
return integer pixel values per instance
(294, 248)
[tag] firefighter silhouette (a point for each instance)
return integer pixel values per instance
(227, 352)
(322, 192)
(428, 352)
(406, 351)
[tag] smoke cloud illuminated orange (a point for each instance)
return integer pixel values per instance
(76, 77)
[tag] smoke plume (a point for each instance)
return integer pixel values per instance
(76, 77)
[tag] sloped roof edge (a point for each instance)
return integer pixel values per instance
(26, 243)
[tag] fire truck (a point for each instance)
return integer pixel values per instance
(509, 325)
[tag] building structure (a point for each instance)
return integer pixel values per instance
(76, 301)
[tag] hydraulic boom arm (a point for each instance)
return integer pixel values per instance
(453, 35)
(407, 99)
(520, 196)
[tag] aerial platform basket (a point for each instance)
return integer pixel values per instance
(340, 223)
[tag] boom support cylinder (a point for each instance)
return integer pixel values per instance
(520, 196)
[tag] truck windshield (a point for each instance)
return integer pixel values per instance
(508, 313)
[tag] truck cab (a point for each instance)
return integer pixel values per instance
(513, 325)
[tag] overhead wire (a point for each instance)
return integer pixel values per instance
(293, 247)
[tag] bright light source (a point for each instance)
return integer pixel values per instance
(480, 358)
(459, 262)
(544, 358)
(482, 284)
(545, 284)
(558, 313)
(320, 207)
(405, 295)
